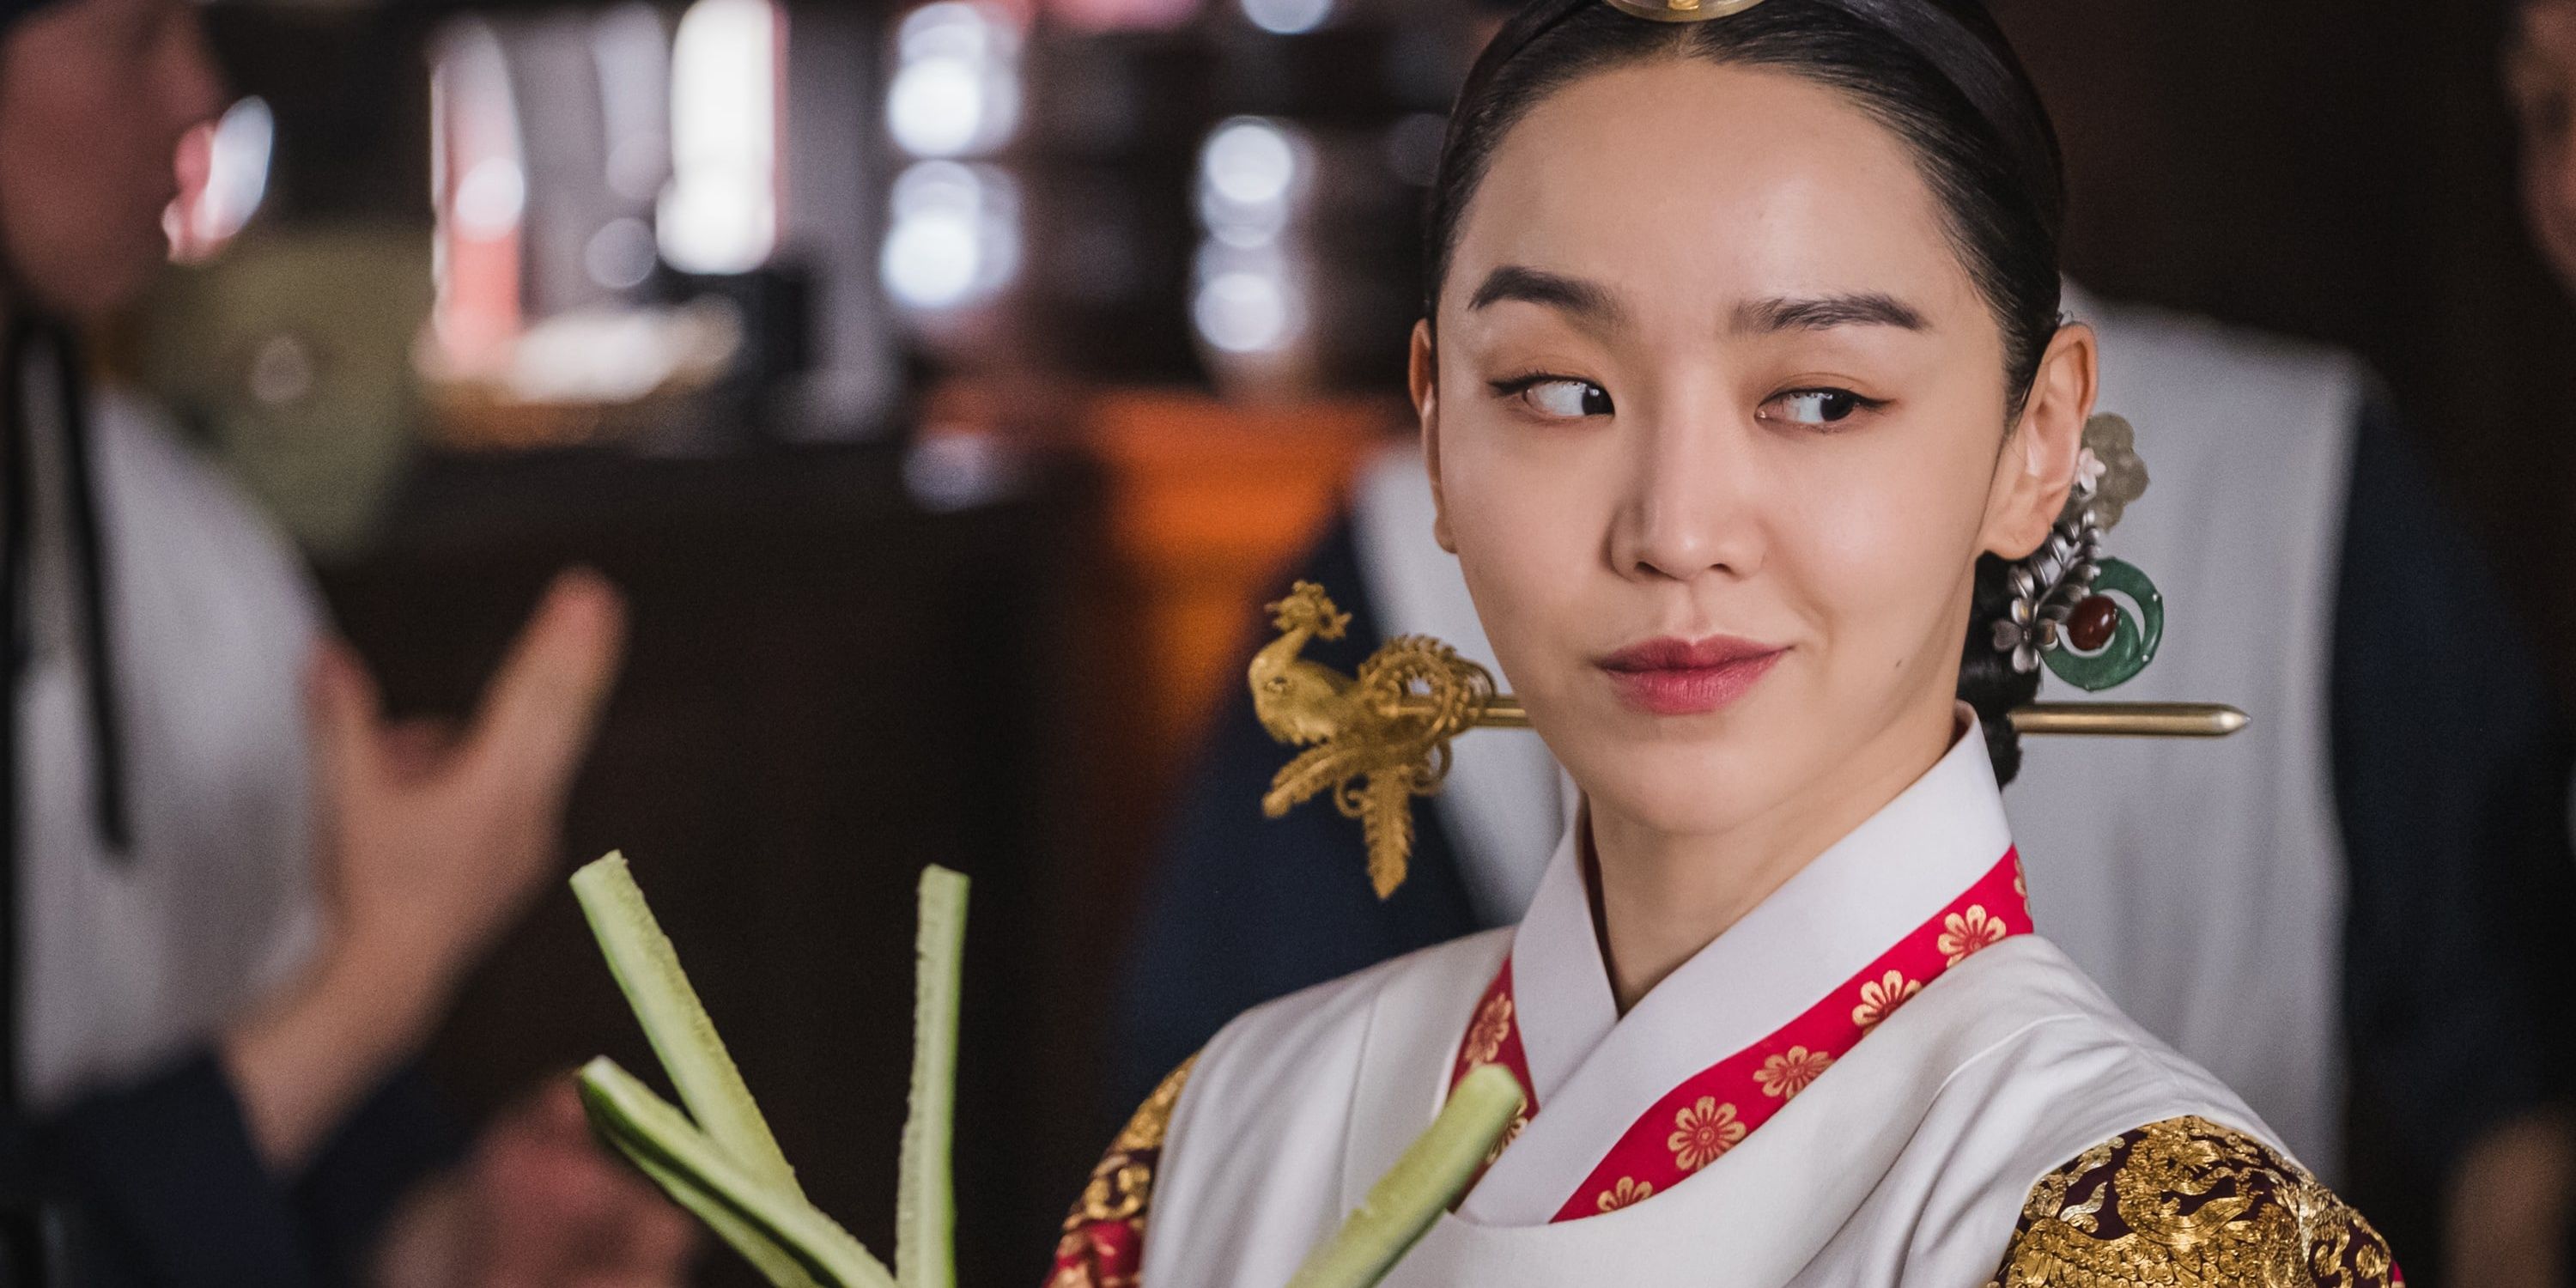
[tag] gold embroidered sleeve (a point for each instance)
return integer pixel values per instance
(1104, 1236)
(2185, 1203)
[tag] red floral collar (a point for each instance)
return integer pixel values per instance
(1713, 1111)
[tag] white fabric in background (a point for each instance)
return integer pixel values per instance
(1505, 797)
(2201, 883)
(129, 963)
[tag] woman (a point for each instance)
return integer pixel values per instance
(1742, 383)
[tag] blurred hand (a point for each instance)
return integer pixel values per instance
(2508, 1204)
(437, 844)
(433, 842)
(539, 1206)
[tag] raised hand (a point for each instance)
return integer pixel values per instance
(433, 849)
(430, 845)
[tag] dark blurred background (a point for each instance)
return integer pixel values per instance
(945, 382)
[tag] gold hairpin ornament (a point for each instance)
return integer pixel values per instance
(1380, 738)
(1682, 10)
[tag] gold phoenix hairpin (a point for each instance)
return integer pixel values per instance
(1378, 739)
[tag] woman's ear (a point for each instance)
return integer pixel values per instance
(2037, 468)
(1423, 376)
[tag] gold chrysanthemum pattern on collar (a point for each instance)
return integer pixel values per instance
(2184, 1203)
(1104, 1236)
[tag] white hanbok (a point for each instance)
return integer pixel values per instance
(1911, 1160)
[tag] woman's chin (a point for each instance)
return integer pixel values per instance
(1697, 790)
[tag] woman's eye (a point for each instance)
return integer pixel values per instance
(1817, 406)
(1564, 399)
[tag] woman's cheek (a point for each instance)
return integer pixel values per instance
(1525, 552)
(1533, 519)
(1866, 564)
(1506, 552)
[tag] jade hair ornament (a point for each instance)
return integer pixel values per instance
(2062, 610)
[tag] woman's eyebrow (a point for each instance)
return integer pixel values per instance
(1587, 300)
(1826, 312)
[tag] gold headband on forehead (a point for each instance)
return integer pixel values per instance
(1681, 10)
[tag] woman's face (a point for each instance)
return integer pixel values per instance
(1718, 423)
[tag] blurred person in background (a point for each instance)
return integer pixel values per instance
(2529, 1174)
(2540, 70)
(236, 900)
(2328, 911)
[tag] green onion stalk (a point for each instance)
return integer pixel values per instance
(714, 1154)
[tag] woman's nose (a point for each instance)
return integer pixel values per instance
(1688, 511)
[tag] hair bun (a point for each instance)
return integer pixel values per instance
(1987, 681)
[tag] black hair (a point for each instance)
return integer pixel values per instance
(1939, 74)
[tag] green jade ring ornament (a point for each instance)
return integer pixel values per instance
(2106, 647)
(2063, 611)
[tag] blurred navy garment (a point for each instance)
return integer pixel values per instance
(2346, 912)
(1246, 908)
(2451, 763)
(164, 1189)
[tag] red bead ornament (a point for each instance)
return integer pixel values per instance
(2092, 624)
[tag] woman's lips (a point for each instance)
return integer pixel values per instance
(1676, 677)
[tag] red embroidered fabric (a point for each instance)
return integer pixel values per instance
(1104, 1236)
(1714, 1110)
(1494, 1037)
